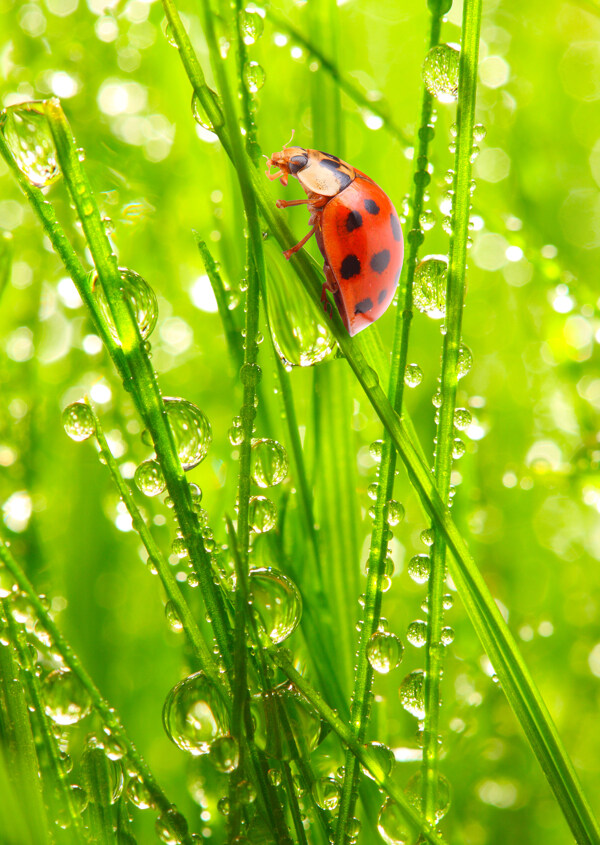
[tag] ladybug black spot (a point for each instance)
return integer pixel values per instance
(354, 221)
(371, 206)
(328, 155)
(364, 306)
(297, 163)
(382, 295)
(380, 260)
(331, 162)
(396, 230)
(350, 267)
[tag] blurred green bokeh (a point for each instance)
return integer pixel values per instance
(528, 488)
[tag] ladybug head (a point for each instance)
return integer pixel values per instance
(289, 160)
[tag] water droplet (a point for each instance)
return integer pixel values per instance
(7, 583)
(225, 754)
(254, 77)
(172, 617)
(412, 693)
(139, 794)
(78, 421)
(414, 793)
(283, 741)
(431, 276)
(269, 462)
(447, 635)
(465, 360)
(448, 601)
(479, 133)
(427, 220)
(326, 792)
(223, 805)
(191, 430)
(384, 652)
(67, 700)
(394, 512)
(413, 375)
(194, 714)
(149, 478)
(458, 448)
(275, 777)
(416, 633)
(140, 296)
(427, 537)
(28, 137)
(462, 418)
(392, 825)
(381, 756)
(419, 567)
(171, 828)
(262, 514)
(440, 72)
(201, 115)
(276, 602)
(251, 26)
(375, 450)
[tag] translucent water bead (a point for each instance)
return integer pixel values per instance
(140, 297)
(440, 72)
(66, 699)
(191, 429)
(431, 276)
(384, 652)
(269, 462)
(412, 693)
(28, 136)
(194, 715)
(414, 793)
(149, 478)
(276, 601)
(392, 824)
(78, 421)
(286, 724)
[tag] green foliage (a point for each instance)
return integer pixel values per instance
(274, 473)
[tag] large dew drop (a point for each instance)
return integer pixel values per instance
(269, 463)
(194, 715)
(191, 430)
(429, 293)
(412, 694)
(392, 825)
(28, 136)
(384, 652)
(262, 514)
(326, 792)
(140, 296)
(254, 77)
(276, 602)
(440, 72)
(78, 421)
(381, 757)
(414, 793)
(286, 726)
(149, 478)
(67, 700)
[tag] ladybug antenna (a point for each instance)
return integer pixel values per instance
(290, 141)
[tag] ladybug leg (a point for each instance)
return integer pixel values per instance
(287, 203)
(289, 252)
(331, 284)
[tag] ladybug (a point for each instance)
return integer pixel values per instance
(356, 227)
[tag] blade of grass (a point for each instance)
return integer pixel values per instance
(96, 778)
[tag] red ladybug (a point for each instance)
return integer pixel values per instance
(357, 230)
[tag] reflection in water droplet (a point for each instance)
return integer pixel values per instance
(194, 714)
(465, 361)
(447, 635)
(416, 633)
(440, 72)
(381, 756)
(139, 794)
(412, 693)
(171, 828)
(276, 602)
(392, 824)
(462, 418)
(394, 512)
(78, 421)
(269, 462)
(326, 792)
(67, 700)
(414, 793)
(140, 296)
(172, 617)
(251, 26)
(225, 754)
(191, 430)
(149, 478)
(28, 136)
(431, 275)
(419, 567)
(254, 77)
(262, 514)
(384, 651)
(413, 375)
(458, 448)
(287, 727)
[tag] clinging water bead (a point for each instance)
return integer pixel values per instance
(78, 421)
(28, 136)
(440, 72)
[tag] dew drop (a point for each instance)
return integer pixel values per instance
(172, 617)
(431, 275)
(171, 828)
(447, 635)
(414, 793)
(276, 601)
(289, 734)
(141, 298)
(66, 699)
(78, 421)
(191, 429)
(479, 133)
(458, 448)
(7, 583)
(394, 512)
(427, 537)
(416, 633)
(225, 754)
(200, 114)
(427, 220)
(194, 714)
(392, 825)
(465, 360)
(28, 136)
(254, 77)
(413, 375)
(269, 462)
(375, 450)
(149, 478)
(139, 794)
(384, 652)
(419, 567)
(326, 792)
(262, 514)
(462, 418)
(251, 26)
(440, 72)
(412, 693)
(381, 756)
(448, 601)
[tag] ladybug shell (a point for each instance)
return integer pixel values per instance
(360, 237)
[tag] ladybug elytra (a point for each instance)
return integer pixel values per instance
(356, 227)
